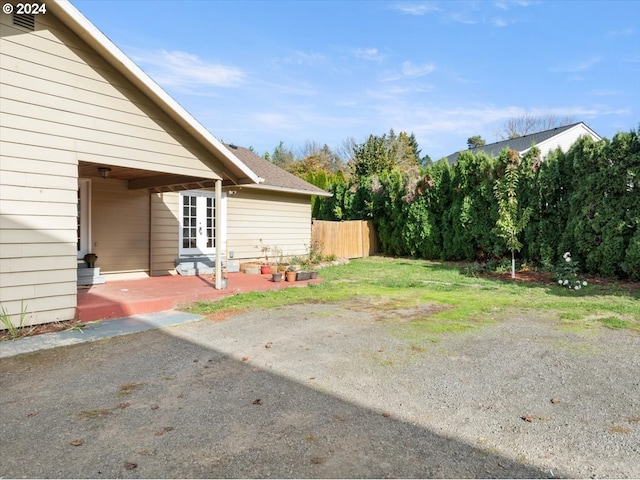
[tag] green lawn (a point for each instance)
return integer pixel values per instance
(458, 301)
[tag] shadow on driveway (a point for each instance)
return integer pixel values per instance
(151, 405)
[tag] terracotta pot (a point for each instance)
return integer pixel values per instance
(265, 269)
(291, 276)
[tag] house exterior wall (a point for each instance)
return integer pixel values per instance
(38, 222)
(164, 232)
(281, 220)
(38, 208)
(120, 231)
(278, 219)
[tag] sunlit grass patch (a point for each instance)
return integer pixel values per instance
(616, 323)
(427, 328)
(399, 288)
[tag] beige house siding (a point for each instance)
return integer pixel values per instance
(280, 220)
(68, 98)
(119, 227)
(38, 222)
(164, 233)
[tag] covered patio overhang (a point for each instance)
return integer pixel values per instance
(160, 182)
(156, 181)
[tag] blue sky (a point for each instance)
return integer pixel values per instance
(255, 73)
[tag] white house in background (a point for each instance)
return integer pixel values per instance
(546, 141)
(96, 157)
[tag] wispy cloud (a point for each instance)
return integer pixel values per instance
(396, 92)
(465, 19)
(577, 67)
(298, 57)
(605, 93)
(499, 22)
(416, 8)
(409, 70)
(185, 70)
(625, 32)
(507, 4)
(371, 54)
(274, 120)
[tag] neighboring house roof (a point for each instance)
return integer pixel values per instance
(275, 178)
(81, 26)
(523, 143)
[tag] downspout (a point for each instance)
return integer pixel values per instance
(218, 239)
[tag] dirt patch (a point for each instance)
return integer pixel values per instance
(547, 278)
(222, 315)
(385, 308)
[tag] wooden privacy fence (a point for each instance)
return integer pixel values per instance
(348, 239)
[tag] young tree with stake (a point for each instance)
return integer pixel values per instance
(511, 218)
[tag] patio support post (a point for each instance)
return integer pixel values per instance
(218, 239)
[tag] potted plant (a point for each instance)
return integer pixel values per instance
(277, 277)
(291, 274)
(265, 268)
(276, 255)
(90, 259)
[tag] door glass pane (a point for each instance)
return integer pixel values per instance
(210, 212)
(189, 222)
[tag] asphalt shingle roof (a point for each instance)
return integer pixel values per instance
(275, 178)
(519, 144)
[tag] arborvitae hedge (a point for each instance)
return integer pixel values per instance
(586, 201)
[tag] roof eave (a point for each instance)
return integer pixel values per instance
(590, 130)
(274, 188)
(89, 33)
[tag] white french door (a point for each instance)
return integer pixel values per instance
(198, 212)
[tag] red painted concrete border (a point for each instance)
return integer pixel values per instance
(119, 299)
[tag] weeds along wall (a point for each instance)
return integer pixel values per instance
(586, 201)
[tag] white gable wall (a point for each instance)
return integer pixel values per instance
(565, 140)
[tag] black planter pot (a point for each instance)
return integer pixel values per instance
(303, 276)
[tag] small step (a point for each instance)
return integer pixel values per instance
(204, 265)
(90, 276)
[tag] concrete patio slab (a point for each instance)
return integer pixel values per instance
(96, 331)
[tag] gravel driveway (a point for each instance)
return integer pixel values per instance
(327, 391)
